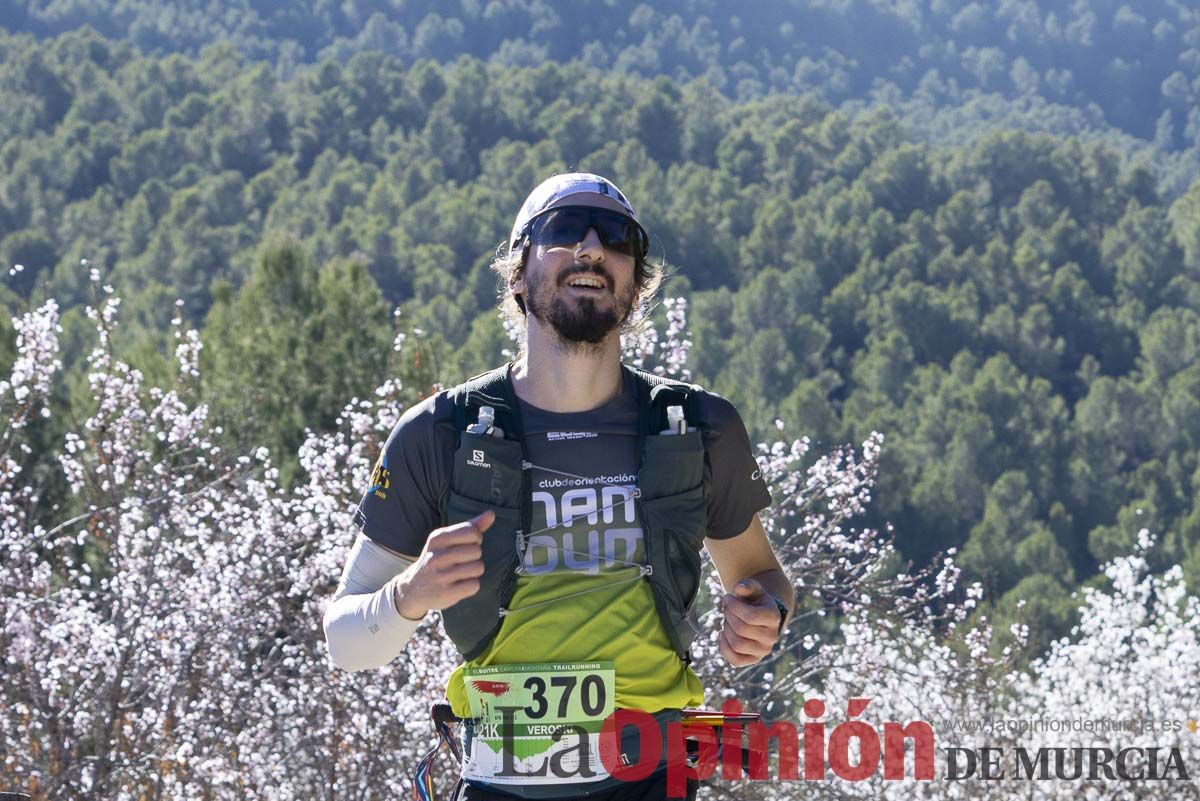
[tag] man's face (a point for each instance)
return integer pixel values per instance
(557, 291)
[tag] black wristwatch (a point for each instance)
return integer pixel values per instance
(783, 614)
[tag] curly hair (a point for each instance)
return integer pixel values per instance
(509, 266)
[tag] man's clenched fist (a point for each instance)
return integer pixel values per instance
(447, 570)
(751, 624)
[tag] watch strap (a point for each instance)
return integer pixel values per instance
(783, 613)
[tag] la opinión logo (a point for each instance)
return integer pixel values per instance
(694, 750)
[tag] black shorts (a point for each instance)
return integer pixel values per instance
(651, 789)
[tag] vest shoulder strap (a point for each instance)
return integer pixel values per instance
(655, 393)
(492, 388)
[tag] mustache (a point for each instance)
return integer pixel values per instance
(583, 269)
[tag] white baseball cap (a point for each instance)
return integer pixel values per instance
(570, 189)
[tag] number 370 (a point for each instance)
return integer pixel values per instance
(591, 694)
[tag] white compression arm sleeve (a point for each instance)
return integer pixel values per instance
(363, 628)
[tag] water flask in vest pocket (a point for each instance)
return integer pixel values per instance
(486, 423)
(676, 422)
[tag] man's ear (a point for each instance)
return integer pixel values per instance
(517, 288)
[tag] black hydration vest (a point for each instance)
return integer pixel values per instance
(491, 472)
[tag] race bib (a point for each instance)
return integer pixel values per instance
(538, 724)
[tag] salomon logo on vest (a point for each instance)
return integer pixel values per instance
(477, 460)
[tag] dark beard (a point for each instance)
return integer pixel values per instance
(582, 322)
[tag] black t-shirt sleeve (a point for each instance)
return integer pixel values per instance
(401, 503)
(736, 489)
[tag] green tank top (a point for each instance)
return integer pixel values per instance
(578, 599)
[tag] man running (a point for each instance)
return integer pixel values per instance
(554, 510)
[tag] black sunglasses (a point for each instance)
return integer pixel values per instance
(568, 225)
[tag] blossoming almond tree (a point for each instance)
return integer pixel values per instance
(192, 664)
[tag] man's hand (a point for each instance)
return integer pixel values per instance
(751, 624)
(447, 570)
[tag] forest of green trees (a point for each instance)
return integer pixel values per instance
(1017, 311)
(953, 70)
